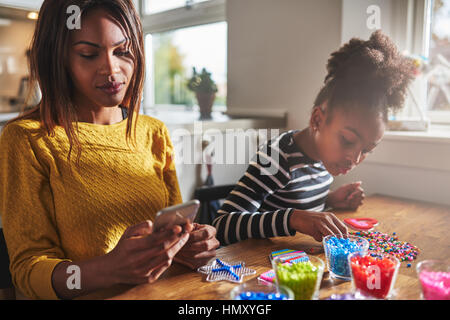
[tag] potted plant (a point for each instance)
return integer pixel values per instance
(205, 90)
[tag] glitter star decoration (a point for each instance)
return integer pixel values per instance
(220, 270)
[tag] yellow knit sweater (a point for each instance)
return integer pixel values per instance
(51, 213)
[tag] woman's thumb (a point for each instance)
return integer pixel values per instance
(140, 229)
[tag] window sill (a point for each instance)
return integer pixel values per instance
(436, 134)
(419, 150)
(6, 116)
(175, 117)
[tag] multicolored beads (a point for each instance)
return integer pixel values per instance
(384, 243)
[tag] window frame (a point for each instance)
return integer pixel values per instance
(420, 30)
(191, 15)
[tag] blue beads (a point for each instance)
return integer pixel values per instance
(251, 295)
(337, 251)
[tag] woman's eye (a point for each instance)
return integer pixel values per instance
(88, 56)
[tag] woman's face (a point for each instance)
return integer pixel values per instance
(100, 63)
(346, 138)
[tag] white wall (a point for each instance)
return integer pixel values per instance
(406, 168)
(277, 53)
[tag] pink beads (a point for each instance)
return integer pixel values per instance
(435, 285)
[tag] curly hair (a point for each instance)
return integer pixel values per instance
(370, 75)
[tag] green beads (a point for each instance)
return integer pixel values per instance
(301, 278)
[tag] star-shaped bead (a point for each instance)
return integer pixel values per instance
(220, 270)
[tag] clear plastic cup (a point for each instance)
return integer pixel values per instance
(259, 291)
(373, 276)
(303, 278)
(434, 277)
(337, 255)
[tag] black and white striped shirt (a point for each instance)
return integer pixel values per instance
(279, 178)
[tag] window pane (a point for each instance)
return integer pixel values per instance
(154, 6)
(438, 71)
(172, 55)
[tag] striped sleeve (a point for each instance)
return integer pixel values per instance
(239, 217)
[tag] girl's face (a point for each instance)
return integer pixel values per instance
(100, 63)
(346, 138)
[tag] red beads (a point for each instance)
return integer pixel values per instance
(374, 276)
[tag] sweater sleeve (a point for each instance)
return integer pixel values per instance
(27, 212)
(239, 217)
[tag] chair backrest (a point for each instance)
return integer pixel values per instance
(209, 204)
(5, 275)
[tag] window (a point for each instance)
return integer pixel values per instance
(174, 54)
(181, 35)
(428, 42)
(155, 6)
(437, 72)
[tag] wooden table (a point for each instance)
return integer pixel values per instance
(423, 224)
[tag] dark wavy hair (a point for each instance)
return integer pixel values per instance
(371, 75)
(49, 65)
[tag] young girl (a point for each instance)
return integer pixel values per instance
(365, 80)
(81, 178)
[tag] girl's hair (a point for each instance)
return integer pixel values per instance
(49, 65)
(370, 75)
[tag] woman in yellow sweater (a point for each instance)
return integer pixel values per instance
(81, 175)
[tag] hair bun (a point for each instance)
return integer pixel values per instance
(371, 72)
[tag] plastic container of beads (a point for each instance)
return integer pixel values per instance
(337, 248)
(373, 275)
(303, 278)
(257, 291)
(434, 277)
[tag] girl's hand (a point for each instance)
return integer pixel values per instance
(349, 196)
(317, 224)
(142, 255)
(200, 248)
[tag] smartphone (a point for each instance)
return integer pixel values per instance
(176, 215)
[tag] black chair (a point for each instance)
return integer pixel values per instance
(209, 197)
(6, 285)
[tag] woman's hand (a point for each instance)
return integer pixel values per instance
(142, 255)
(349, 196)
(200, 248)
(317, 224)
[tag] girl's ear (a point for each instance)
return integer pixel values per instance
(318, 117)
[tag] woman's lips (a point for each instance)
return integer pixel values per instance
(112, 88)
